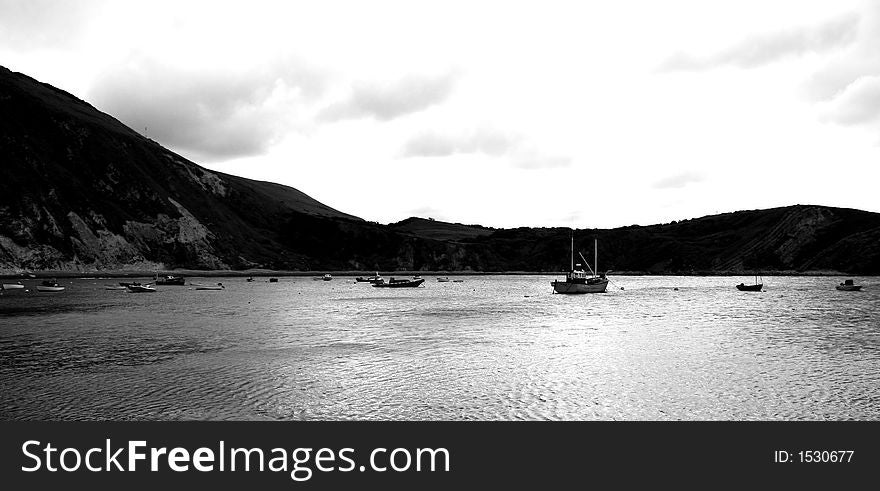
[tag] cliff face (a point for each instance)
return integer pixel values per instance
(83, 191)
(80, 191)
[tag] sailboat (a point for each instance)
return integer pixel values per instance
(751, 288)
(577, 281)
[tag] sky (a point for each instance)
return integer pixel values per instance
(581, 114)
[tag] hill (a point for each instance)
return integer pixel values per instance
(83, 192)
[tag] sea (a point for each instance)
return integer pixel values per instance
(501, 347)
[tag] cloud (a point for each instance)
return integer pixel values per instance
(858, 103)
(483, 141)
(770, 47)
(679, 180)
(847, 88)
(35, 24)
(387, 101)
(208, 115)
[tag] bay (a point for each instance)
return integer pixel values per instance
(486, 348)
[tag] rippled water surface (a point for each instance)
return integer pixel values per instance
(487, 348)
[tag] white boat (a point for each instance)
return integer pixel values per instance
(12, 286)
(50, 286)
(327, 277)
(577, 280)
(138, 288)
(218, 286)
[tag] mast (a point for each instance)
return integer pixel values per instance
(572, 252)
(596, 255)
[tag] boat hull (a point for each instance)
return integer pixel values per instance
(400, 284)
(750, 288)
(849, 288)
(41, 288)
(140, 289)
(576, 287)
(11, 286)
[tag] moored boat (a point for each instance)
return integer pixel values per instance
(170, 279)
(218, 286)
(443, 279)
(370, 279)
(49, 286)
(757, 287)
(848, 286)
(577, 280)
(327, 277)
(398, 283)
(139, 288)
(12, 286)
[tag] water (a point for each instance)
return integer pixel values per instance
(488, 348)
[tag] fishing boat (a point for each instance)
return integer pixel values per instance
(218, 286)
(848, 286)
(170, 279)
(139, 288)
(50, 286)
(577, 280)
(751, 288)
(399, 283)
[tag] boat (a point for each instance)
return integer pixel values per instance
(370, 279)
(139, 288)
(218, 286)
(114, 287)
(848, 286)
(50, 286)
(273, 280)
(12, 286)
(577, 280)
(327, 277)
(399, 283)
(170, 279)
(751, 288)
(443, 279)
(251, 278)
(457, 281)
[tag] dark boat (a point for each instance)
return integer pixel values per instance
(848, 286)
(751, 288)
(171, 279)
(273, 280)
(395, 283)
(577, 281)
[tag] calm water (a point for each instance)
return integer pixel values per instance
(488, 348)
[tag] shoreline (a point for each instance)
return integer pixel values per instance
(270, 273)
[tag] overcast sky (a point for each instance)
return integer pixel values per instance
(582, 114)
